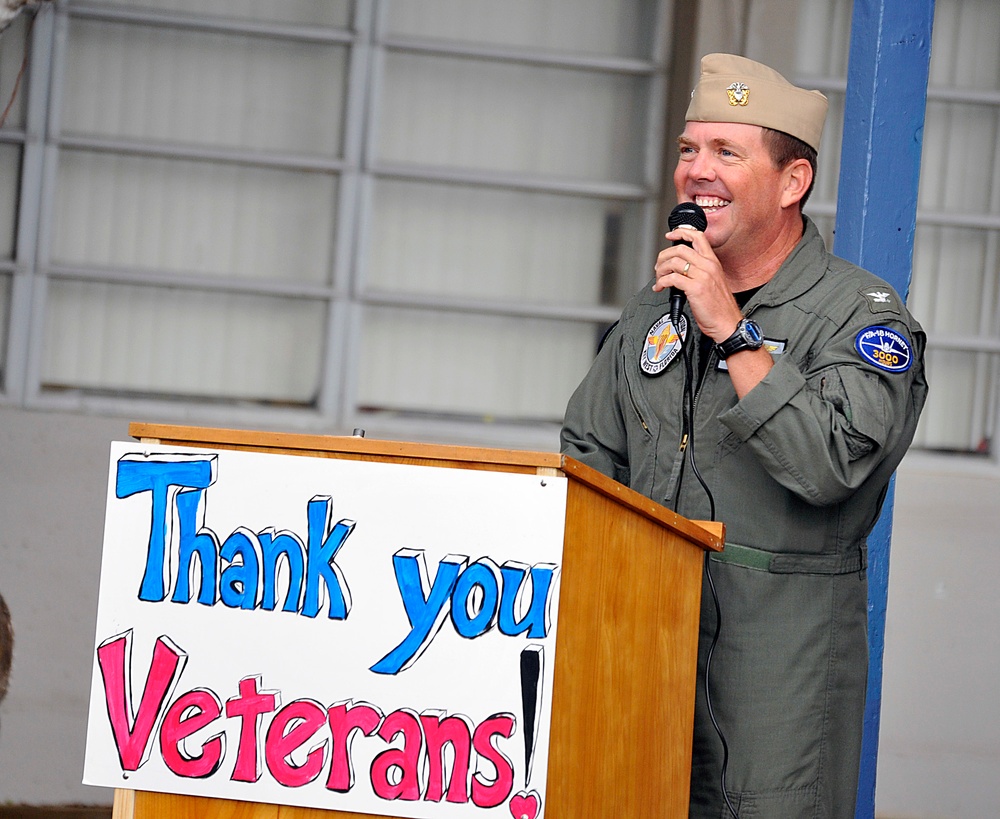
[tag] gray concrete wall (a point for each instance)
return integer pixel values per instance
(940, 741)
(53, 482)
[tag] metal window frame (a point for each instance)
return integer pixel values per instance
(35, 218)
(345, 295)
(464, 428)
(985, 413)
(22, 311)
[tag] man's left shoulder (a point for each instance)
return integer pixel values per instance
(864, 292)
(872, 313)
(880, 297)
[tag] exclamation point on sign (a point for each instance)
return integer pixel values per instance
(531, 702)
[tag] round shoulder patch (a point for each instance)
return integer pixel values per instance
(885, 348)
(662, 345)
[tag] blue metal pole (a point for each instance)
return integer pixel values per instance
(876, 218)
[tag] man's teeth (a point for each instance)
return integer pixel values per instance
(705, 202)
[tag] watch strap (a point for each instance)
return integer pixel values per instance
(741, 339)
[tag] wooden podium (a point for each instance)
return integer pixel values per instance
(624, 677)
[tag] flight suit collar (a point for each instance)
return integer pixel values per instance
(800, 271)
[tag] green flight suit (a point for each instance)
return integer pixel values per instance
(798, 470)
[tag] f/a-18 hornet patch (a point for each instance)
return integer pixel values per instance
(885, 348)
(663, 343)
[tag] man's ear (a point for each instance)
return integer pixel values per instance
(798, 178)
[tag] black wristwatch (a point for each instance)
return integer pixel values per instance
(746, 336)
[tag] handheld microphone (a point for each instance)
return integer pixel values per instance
(689, 215)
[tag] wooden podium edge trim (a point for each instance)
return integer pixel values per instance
(123, 806)
(351, 444)
(708, 535)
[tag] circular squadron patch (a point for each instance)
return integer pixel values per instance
(885, 348)
(663, 344)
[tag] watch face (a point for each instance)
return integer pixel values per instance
(753, 333)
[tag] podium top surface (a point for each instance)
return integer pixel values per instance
(708, 536)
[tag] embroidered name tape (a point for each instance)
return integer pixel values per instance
(885, 348)
(663, 343)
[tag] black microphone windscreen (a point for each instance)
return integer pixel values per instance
(687, 213)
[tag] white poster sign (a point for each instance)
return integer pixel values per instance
(356, 636)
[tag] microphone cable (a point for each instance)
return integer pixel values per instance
(708, 690)
(688, 424)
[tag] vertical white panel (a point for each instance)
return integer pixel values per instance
(976, 60)
(487, 244)
(320, 12)
(823, 36)
(954, 284)
(197, 217)
(174, 85)
(501, 368)
(10, 173)
(12, 63)
(954, 289)
(180, 343)
(143, 217)
(5, 292)
(504, 245)
(516, 118)
(621, 28)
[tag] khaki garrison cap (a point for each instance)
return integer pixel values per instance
(735, 89)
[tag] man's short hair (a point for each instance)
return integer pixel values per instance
(784, 148)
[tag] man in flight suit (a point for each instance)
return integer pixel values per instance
(808, 382)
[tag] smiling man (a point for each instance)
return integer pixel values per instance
(803, 392)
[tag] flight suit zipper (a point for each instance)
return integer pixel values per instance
(631, 398)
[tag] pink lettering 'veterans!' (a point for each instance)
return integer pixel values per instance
(132, 731)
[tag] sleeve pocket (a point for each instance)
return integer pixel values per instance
(859, 400)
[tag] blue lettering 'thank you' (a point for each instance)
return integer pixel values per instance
(242, 571)
(478, 598)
